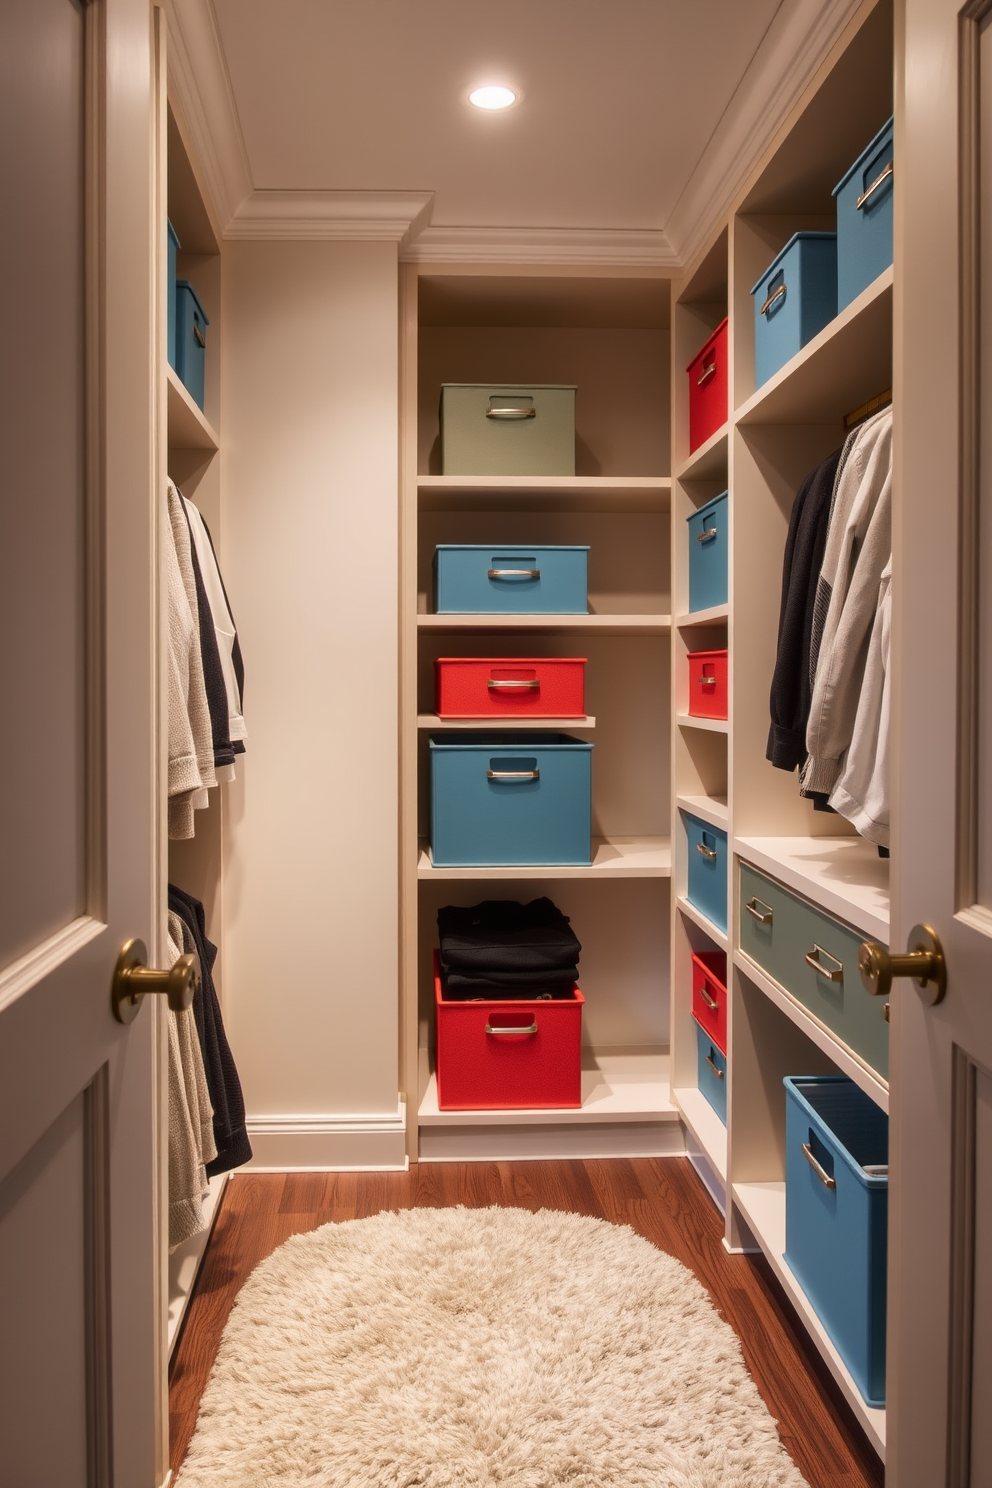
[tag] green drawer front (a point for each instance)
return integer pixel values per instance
(780, 948)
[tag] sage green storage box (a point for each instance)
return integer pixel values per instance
(507, 429)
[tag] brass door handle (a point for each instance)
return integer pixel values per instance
(132, 979)
(923, 961)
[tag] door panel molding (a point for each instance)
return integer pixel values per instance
(97, 1270)
(961, 1339)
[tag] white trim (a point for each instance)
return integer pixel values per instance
(44, 959)
(391, 215)
(546, 1143)
(796, 44)
(199, 77)
(331, 1143)
(617, 247)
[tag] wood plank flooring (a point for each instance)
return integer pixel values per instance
(661, 1199)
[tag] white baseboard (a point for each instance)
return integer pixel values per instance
(544, 1143)
(337, 1144)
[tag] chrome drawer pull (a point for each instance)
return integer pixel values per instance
(821, 1173)
(499, 686)
(531, 1028)
(706, 536)
(763, 915)
(833, 973)
(198, 336)
(870, 191)
(707, 852)
(707, 681)
(513, 774)
(778, 294)
(514, 573)
(706, 373)
(715, 1068)
(710, 1002)
(511, 413)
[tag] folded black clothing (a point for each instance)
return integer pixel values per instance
(504, 935)
(509, 983)
(482, 991)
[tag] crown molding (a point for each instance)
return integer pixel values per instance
(796, 44)
(616, 247)
(394, 216)
(199, 80)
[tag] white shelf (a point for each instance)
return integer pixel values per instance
(847, 364)
(763, 1208)
(184, 1261)
(630, 493)
(590, 624)
(709, 461)
(432, 721)
(715, 615)
(711, 809)
(844, 875)
(617, 857)
(705, 1125)
(188, 428)
(818, 1033)
(717, 936)
(617, 1085)
(708, 725)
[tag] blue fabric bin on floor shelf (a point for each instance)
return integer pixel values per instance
(510, 579)
(191, 340)
(173, 249)
(707, 875)
(836, 1216)
(508, 800)
(712, 1073)
(708, 548)
(793, 300)
(864, 218)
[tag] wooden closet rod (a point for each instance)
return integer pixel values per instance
(866, 409)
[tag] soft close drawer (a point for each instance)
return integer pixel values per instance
(815, 958)
(470, 579)
(836, 1216)
(707, 684)
(708, 549)
(864, 218)
(500, 800)
(711, 1072)
(793, 300)
(707, 869)
(506, 1056)
(708, 387)
(510, 687)
(507, 429)
(709, 994)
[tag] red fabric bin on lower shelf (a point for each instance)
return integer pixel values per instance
(707, 684)
(510, 687)
(708, 388)
(709, 994)
(537, 1066)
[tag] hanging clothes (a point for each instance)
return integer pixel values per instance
(191, 1136)
(862, 791)
(194, 735)
(213, 675)
(223, 1082)
(225, 631)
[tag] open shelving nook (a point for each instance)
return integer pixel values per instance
(607, 331)
(773, 437)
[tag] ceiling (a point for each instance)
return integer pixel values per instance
(619, 101)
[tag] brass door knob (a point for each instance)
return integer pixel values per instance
(132, 979)
(923, 961)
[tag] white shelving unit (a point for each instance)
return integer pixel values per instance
(184, 1261)
(618, 857)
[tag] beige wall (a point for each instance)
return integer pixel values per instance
(310, 535)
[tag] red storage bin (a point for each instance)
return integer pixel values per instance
(480, 1068)
(707, 684)
(510, 687)
(708, 388)
(709, 994)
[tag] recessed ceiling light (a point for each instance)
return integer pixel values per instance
(493, 96)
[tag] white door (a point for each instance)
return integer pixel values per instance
(940, 1351)
(80, 1381)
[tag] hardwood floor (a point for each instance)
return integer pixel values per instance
(661, 1199)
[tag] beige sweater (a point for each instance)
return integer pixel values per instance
(191, 1128)
(191, 752)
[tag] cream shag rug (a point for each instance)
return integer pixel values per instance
(443, 1348)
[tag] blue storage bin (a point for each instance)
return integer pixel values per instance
(864, 218)
(503, 800)
(712, 1073)
(709, 544)
(707, 886)
(191, 340)
(173, 249)
(836, 1216)
(793, 300)
(510, 579)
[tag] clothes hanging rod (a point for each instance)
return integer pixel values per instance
(867, 409)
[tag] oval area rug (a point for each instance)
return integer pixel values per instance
(480, 1348)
